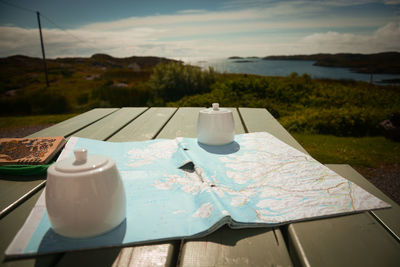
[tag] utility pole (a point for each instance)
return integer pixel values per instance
(41, 42)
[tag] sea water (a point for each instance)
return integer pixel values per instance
(285, 67)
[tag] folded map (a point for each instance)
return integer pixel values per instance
(183, 189)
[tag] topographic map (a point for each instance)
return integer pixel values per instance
(180, 188)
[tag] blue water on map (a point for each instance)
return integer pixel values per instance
(286, 67)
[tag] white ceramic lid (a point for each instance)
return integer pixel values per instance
(215, 109)
(81, 163)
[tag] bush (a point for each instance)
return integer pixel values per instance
(47, 101)
(17, 105)
(83, 99)
(173, 81)
(121, 96)
(303, 104)
(43, 101)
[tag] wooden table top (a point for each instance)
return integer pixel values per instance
(362, 239)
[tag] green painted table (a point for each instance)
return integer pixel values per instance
(363, 239)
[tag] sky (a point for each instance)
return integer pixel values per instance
(186, 29)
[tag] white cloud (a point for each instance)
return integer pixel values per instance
(198, 33)
(392, 2)
(192, 11)
(252, 3)
(386, 38)
(19, 41)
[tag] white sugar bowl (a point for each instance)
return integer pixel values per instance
(85, 195)
(215, 126)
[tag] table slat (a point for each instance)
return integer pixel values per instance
(144, 127)
(260, 120)
(106, 127)
(155, 255)
(68, 127)
(254, 247)
(389, 217)
(13, 188)
(10, 225)
(244, 247)
(352, 240)
(152, 255)
(182, 124)
(239, 129)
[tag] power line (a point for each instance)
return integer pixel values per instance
(18, 6)
(50, 21)
(66, 31)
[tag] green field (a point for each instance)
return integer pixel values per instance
(357, 151)
(19, 121)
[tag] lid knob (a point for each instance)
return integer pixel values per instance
(215, 106)
(80, 155)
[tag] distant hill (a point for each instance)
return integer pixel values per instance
(97, 60)
(388, 62)
(143, 62)
(23, 72)
(236, 57)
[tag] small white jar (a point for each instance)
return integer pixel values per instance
(215, 126)
(85, 195)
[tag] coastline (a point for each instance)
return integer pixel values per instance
(286, 66)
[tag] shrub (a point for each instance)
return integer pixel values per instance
(83, 99)
(47, 101)
(303, 104)
(16, 105)
(121, 96)
(42, 101)
(173, 81)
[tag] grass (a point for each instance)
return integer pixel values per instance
(18, 121)
(356, 151)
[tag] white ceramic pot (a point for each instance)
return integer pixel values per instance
(85, 195)
(215, 126)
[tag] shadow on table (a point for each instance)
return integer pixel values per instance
(221, 150)
(98, 258)
(230, 237)
(110, 256)
(52, 242)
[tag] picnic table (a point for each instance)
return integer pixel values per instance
(362, 239)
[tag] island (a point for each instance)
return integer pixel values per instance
(379, 63)
(244, 58)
